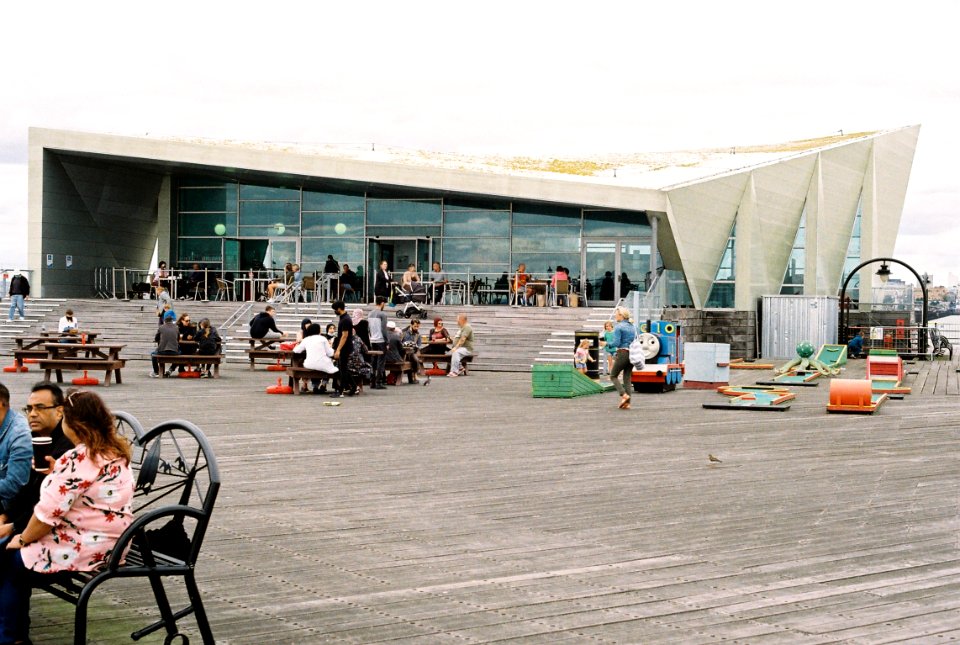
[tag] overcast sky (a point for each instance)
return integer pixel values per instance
(494, 77)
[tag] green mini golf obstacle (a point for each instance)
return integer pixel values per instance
(551, 381)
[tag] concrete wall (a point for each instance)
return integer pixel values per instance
(737, 328)
(99, 213)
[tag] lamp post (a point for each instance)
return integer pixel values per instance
(884, 274)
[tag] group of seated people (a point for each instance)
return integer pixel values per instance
(523, 290)
(66, 513)
(361, 348)
(181, 336)
(411, 287)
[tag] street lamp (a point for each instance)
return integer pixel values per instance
(884, 274)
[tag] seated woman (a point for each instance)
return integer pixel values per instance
(561, 275)
(186, 331)
(409, 277)
(519, 291)
(84, 507)
(277, 283)
(438, 339)
(319, 355)
(208, 343)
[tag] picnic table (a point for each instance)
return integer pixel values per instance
(61, 356)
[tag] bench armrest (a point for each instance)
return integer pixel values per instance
(139, 527)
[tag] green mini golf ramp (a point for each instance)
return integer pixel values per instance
(563, 382)
(833, 355)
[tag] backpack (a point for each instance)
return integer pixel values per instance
(355, 363)
(636, 353)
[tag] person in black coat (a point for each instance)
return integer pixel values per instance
(381, 284)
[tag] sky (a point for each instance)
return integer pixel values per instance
(494, 77)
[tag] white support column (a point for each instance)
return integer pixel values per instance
(814, 209)
(745, 299)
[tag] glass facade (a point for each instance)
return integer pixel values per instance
(793, 277)
(724, 290)
(852, 258)
(234, 227)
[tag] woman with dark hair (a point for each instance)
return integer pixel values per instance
(84, 507)
(438, 339)
(208, 343)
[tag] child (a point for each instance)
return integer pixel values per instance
(582, 356)
(607, 343)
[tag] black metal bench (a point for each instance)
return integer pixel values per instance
(176, 488)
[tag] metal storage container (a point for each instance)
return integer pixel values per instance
(787, 320)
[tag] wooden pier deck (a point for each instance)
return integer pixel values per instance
(469, 512)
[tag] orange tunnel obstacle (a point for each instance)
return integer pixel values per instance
(853, 395)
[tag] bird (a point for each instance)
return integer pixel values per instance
(714, 459)
(427, 382)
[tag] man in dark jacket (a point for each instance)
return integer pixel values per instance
(44, 412)
(263, 323)
(19, 290)
(168, 342)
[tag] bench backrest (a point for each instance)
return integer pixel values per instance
(176, 488)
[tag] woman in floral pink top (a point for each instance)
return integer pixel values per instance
(84, 507)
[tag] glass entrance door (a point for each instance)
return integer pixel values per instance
(400, 252)
(613, 268)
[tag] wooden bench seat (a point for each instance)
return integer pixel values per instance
(190, 360)
(298, 373)
(444, 359)
(275, 355)
(397, 370)
(34, 354)
(111, 368)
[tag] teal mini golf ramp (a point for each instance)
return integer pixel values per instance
(563, 382)
(833, 355)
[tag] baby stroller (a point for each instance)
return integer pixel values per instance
(410, 304)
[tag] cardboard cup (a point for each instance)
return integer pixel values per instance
(42, 446)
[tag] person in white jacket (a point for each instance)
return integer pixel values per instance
(68, 327)
(319, 354)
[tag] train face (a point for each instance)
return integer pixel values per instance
(663, 350)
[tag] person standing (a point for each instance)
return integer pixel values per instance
(44, 412)
(18, 292)
(377, 325)
(381, 282)
(462, 346)
(342, 348)
(624, 333)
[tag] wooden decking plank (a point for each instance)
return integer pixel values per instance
(503, 517)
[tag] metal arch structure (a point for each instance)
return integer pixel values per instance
(845, 311)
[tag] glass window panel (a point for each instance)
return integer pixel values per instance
(616, 224)
(484, 250)
(471, 204)
(403, 231)
(545, 215)
(476, 224)
(344, 249)
(556, 239)
(727, 266)
(206, 223)
(677, 292)
(546, 263)
(205, 250)
(269, 231)
(385, 212)
(476, 271)
(722, 295)
(248, 191)
(322, 224)
(332, 201)
(268, 213)
(208, 199)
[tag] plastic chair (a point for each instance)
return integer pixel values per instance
(561, 290)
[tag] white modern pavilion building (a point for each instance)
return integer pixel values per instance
(720, 227)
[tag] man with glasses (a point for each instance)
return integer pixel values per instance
(16, 449)
(44, 412)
